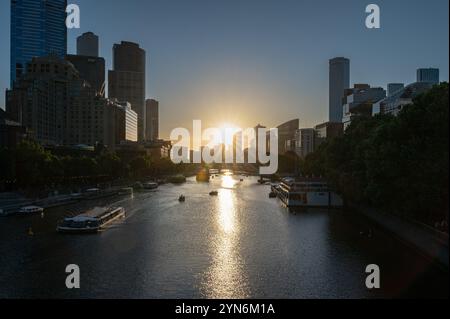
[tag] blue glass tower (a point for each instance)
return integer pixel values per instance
(38, 28)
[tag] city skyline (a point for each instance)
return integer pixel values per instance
(230, 83)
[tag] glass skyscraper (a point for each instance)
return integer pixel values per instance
(38, 28)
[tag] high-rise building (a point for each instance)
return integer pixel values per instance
(60, 108)
(152, 120)
(40, 98)
(394, 87)
(91, 69)
(339, 81)
(87, 44)
(126, 81)
(428, 75)
(38, 28)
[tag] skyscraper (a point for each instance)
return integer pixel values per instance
(428, 75)
(38, 28)
(87, 45)
(339, 81)
(152, 125)
(126, 81)
(91, 69)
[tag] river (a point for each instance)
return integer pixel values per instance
(240, 244)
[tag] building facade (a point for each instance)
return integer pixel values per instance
(394, 87)
(126, 123)
(152, 120)
(61, 109)
(38, 28)
(339, 81)
(126, 81)
(429, 75)
(305, 141)
(287, 132)
(87, 45)
(326, 131)
(91, 69)
(41, 97)
(394, 103)
(359, 101)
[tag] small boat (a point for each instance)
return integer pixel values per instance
(214, 193)
(91, 221)
(31, 210)
(182, 199)
(150, 185)
(272, 195)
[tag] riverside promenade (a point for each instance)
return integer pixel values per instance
(428, 241)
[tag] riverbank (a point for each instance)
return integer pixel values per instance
(427, 241)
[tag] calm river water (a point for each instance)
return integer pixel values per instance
(240, 244)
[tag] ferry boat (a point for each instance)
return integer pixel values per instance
(91, 221)
(307, 192)
(31, 210)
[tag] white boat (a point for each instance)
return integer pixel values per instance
(31, 210)
(307, 192)
(151, 185)
(91, 221)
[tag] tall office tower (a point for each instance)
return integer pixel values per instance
(152, 125)
(91, 69)
(339, 81)
(38, 28)
(87, 44)
(394, 87)
(428, 75)
(126, 82)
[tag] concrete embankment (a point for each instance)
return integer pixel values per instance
(425, 239)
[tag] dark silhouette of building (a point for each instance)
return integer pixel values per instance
(287, 132)
(38, 28)
(11, 133)
(339, 81)
(87, 45)
(91, 69)
(58, 107)
(152, 120)
(126, 81)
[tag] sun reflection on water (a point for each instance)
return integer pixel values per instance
(226, 277)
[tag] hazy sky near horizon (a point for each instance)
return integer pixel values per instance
(247, 62)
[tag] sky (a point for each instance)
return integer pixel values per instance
(246, 62)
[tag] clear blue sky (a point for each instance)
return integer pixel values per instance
(251, 61)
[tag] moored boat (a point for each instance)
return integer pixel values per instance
(28, 210)
(307, 192)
